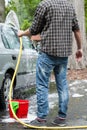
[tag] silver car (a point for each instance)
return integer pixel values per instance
(9, 50)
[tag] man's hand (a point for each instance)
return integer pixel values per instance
(23, 33)
(78, 38)
(79, 55)
(20, 33)
(36, 37)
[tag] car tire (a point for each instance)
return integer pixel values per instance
(2, 103)
(5, 91)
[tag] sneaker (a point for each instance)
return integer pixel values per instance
(59, 122)
(38, 122)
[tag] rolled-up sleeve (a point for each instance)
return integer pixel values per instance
(39, 20)
(75, 25)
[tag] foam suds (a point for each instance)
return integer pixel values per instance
(75, 95)
(29, 118)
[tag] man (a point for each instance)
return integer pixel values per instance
(54, 21)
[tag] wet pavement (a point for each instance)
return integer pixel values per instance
(77, 110)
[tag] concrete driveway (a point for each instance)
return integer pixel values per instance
(77, 111)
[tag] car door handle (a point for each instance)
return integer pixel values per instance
(13, 57)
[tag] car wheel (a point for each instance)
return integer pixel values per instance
(2, 104)
(5, 90)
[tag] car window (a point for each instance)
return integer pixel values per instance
(9, 37)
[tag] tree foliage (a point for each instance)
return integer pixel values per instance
(86, 14)
(11, 6)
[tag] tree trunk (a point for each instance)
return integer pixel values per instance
(2, 10)
(79, 6)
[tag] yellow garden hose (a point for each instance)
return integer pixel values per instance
(19, 120)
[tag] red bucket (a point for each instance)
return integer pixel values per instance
(22, 109)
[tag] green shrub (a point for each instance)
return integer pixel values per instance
(86, 14)
(26, 24)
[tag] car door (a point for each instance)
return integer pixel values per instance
(30, 55)
(28, 61)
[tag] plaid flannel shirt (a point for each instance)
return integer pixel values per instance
(55, 20)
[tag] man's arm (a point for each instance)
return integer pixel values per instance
(27, 33)
(36, 37)
(24, 33)
(77, 35)
(78, 39)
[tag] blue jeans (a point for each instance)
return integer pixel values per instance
(44, 67)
